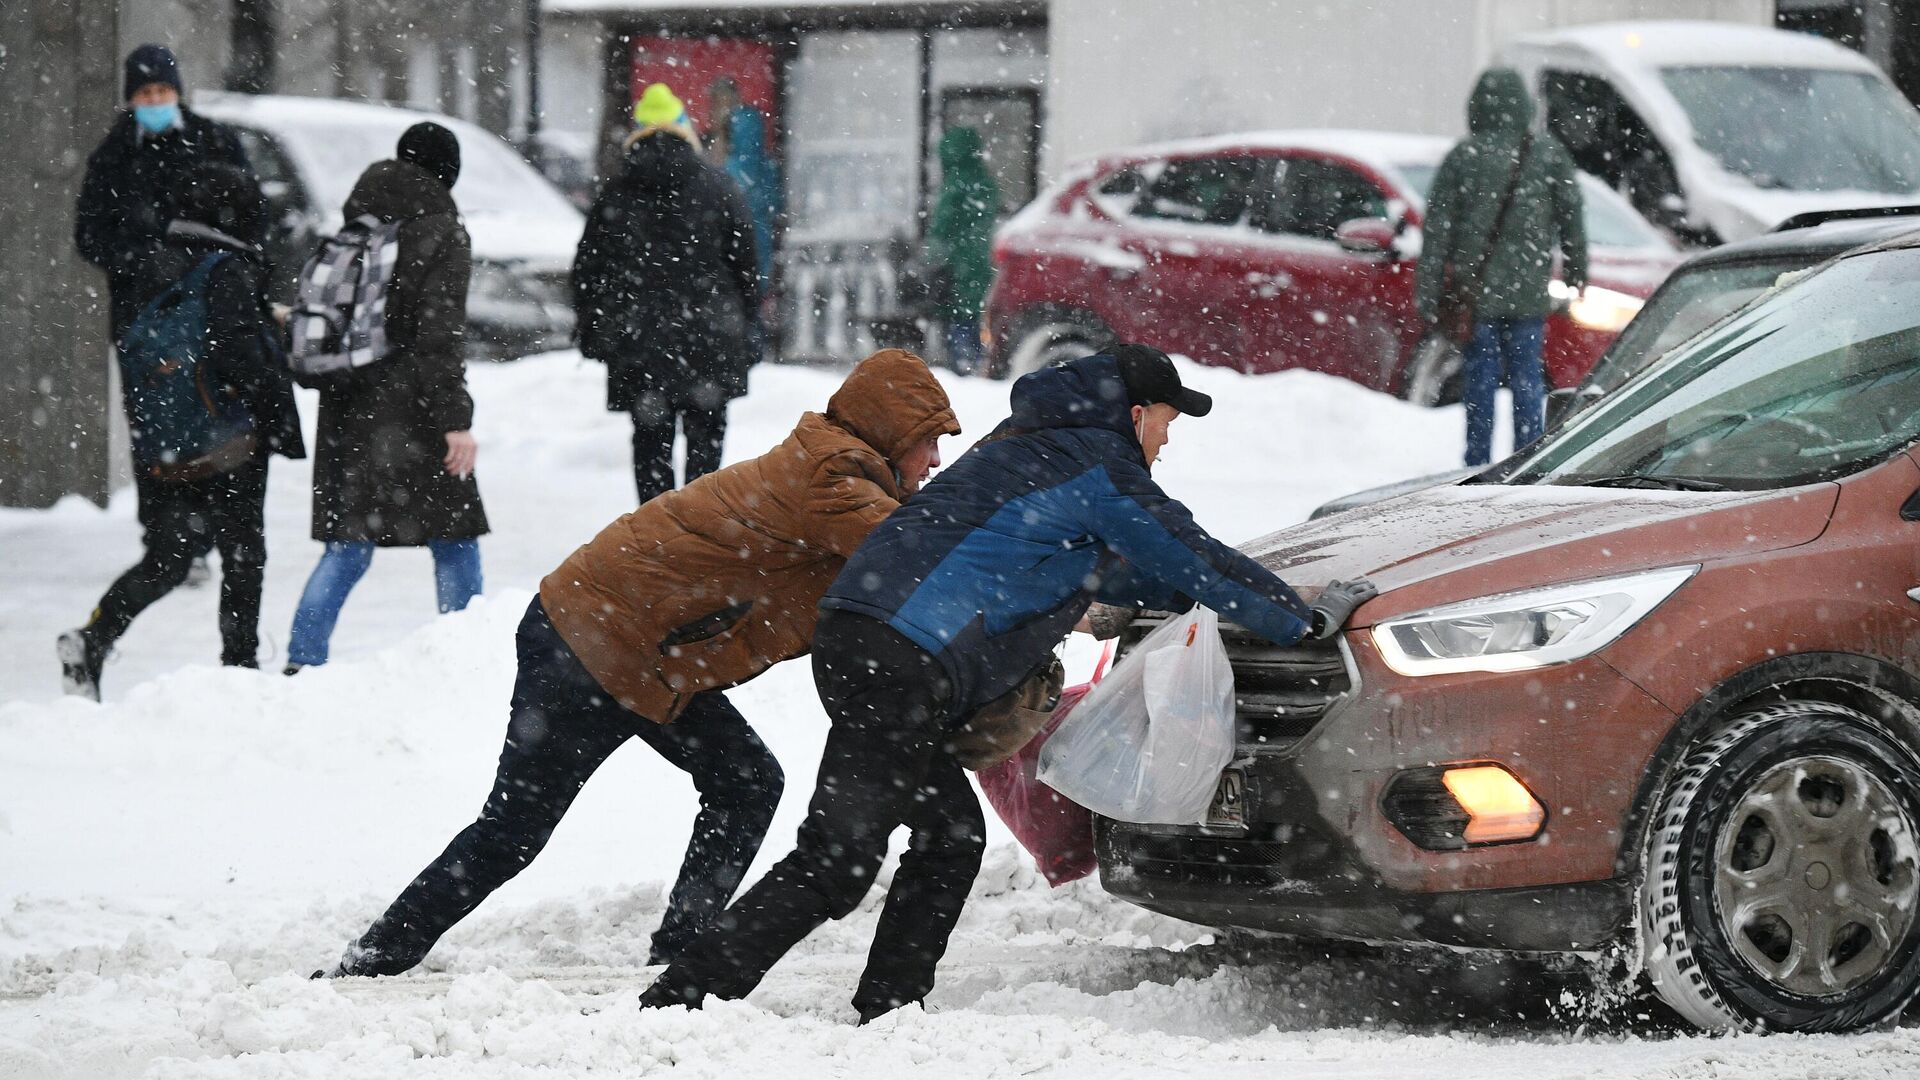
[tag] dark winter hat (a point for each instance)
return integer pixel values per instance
(151, 64)
(434, 149)
(1152, 380)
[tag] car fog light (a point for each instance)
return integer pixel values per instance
(1457, 806)
(1499, 807)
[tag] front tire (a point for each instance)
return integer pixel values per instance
(1435, 374)
(1047, 339)
(1781, 880)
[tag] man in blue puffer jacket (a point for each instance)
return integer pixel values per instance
(952, 602)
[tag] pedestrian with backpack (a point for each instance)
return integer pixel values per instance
(208, 400)
(394, 466)
(1503, 201)
(133, 183)
(666, 292)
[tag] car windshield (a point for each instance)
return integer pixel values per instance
(1811, 382)
(1610, 221)
(1689, 302)
(493, 179)
(1802, 129)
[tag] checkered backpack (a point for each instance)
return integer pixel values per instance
(339, 321)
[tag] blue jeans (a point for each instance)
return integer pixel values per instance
(964, 352)
(456, 580)
(1512, 344)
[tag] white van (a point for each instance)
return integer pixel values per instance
(1720, 132)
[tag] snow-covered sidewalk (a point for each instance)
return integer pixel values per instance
(174, 861)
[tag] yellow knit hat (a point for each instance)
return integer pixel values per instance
(660, 110)
(658, 107)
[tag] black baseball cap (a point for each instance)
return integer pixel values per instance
(1152, 380)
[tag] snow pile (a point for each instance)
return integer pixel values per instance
(174, 861)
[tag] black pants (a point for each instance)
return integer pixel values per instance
(883, 766)
(181, 521)
(563, 726)
(653, 425)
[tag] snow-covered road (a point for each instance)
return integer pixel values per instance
(172, 862)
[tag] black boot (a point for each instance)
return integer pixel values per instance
(80, 661)
(360, 962)
(671, 989)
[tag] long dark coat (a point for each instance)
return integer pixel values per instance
(131, 191)
(378, 473)
(665, 283)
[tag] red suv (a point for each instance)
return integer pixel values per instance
(1265, 252)
(1652, 685)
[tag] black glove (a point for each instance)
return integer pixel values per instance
(1335, 603)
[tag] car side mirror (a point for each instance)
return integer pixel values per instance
(1367, 236)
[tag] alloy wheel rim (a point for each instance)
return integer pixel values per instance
(1815, 876)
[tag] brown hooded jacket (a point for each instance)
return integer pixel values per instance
(705, 587)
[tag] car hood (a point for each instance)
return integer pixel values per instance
(1454, 543)
(1636, 271)
(542, 243)
(1745, 210)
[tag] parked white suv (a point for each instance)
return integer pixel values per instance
(1722, 132)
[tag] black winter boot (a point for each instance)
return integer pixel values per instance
(670, 989)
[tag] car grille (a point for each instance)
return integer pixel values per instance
(1280, 691)
(1209, 860)
(1269, 855)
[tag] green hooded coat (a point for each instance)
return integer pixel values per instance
(1465, 199)
(960, 236)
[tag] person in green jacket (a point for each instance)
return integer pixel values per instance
(960, 239)
(1514, 256)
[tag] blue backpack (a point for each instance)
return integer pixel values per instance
(184, 427)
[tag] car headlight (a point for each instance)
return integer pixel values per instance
(1517, 631)
(1596, 307)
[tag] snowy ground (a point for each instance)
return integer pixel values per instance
(173, 861)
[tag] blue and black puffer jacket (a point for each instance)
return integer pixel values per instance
(992, 563)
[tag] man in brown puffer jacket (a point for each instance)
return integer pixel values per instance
(638, 632)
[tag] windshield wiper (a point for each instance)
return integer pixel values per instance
(1668, 483)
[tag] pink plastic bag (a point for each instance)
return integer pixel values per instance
(1057, 832)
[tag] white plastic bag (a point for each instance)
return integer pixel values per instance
(1149, 742)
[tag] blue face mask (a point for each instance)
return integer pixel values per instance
(155, 119)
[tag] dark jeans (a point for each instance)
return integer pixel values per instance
(1513, 344)
(883, 766)
(653, 424)
(563, 726)
(181, 522)
(964, 350)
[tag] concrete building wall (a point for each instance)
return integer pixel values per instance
(1131, 71)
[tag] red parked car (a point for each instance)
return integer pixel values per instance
(1270, 251)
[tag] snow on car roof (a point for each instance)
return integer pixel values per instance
(511, 210)
(1681, 43)
(275, 110)
(1381, 148)
(616, 6)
